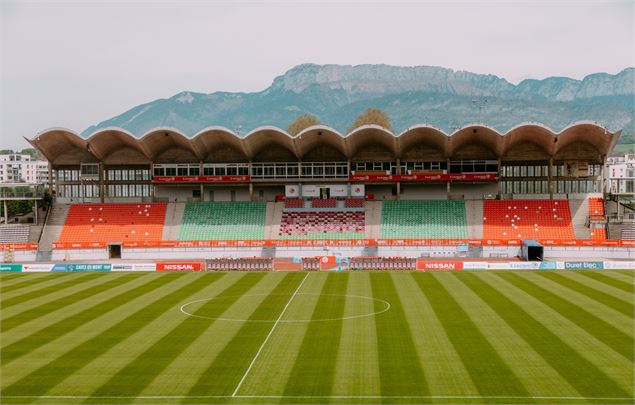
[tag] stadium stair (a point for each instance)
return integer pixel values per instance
(173, 220)
(273, 219)
(14, 233)
(53, 226)
(474, 214)
(423, 219)
(243, 220)
(579, 214)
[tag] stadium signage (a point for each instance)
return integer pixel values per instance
(179, 266)
(201, 179)
(438, 265)
(425, 177)
(35, 268)
(582, 265)
(10, 268)
(81, 267)
(18, 246)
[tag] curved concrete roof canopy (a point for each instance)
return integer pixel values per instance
(584, 139)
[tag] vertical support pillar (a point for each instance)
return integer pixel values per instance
(50, 167)
(6, 212)
(550, 177)
(498, 181)
(602, 175)
(398, 190)
(102, 175)
(36, 214)
(202, 185)
(152, 191)
(251, 185)
(448, 188)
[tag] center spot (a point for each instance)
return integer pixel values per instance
(356, 306)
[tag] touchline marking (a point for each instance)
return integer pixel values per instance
(253, 361)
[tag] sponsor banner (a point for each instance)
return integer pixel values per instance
(201, 179)
(583, 265)
(358, 190)
(292, 190)
(548, 266)
(425, 177)
(90, 267)
(79, 245)
(37, 267)
(10, 268)
(18, 246)
(310, 190)
(428, 265)
(339, 190)
(333, 263)
(523, 265)
(498, 266)
(357, 242)
(475, 265)
(134, 267)
(179, 266)
(619, 265)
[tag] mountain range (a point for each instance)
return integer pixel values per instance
(439, 96)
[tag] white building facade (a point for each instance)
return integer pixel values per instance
(620, 175)
(18, 168)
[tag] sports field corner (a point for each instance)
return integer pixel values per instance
(318, 337)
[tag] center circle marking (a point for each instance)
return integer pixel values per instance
(387, 307)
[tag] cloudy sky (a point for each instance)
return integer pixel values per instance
(76, 63)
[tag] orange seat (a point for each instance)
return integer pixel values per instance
(527, 219)
(133, 222)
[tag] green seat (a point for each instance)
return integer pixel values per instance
(223, 220)
(423, 219)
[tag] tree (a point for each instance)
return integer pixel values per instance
(372, 116)
(301, 123)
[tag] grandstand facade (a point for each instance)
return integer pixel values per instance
(369, 193)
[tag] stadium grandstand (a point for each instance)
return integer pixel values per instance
(370, 193)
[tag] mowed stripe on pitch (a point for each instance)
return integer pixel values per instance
(42, 379)
(357, 371)
(75, 281)
(153, 361)
(400, 369)
(101, 305)
(593, 325)
(26, 280)
(314, 367)
(612, 301)
(612, 281)
(226, 370)
(274, 366)
(480, 358)
(47, 307)
(439, 359)
(577, 370)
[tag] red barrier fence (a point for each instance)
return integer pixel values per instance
(18, 246)
(336, 242)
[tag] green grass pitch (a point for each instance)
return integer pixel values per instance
(355, 338)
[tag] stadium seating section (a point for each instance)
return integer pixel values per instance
(114, 223)
(14, 233)
(223, 220)
(322, 225)
(324, 203)
(354, 203)
(527, 219)
(294, 203)
(427, 219)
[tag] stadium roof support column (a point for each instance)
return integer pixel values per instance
(201, 185)
(550, 177)
(151, 164)
(251, 185)
(102, 175)
(398, 183)
(498, 183)
(50, 168)
(602, 159)
(447, 182)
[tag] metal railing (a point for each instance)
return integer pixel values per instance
(21, 194)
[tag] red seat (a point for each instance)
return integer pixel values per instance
(527, 219)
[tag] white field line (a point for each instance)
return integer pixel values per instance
(253, 361)
(313, 396)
